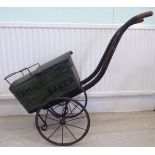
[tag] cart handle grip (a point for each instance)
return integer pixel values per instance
(144, 15)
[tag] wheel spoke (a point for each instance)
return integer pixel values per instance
(63, 110)
(42, 119)
(55, 106)
(52, 124)
(80, 100)
(62, 134)
(54, 132)
(77, 106)
(70, 132)
(46, 115)
(60, 104)
(52, 113)
(50, 118)
(75, 126)
(72, 110)
(75, 119)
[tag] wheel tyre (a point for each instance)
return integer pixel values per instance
(84, 106)
(62, 120)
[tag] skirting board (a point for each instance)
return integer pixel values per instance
(121, 103)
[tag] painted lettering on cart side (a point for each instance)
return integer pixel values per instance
(41, 84)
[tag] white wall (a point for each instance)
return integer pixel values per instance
(128, 84)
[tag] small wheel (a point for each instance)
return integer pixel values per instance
(56, 108)
(63, 130)
(83, 100)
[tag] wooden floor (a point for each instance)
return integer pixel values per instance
(107, 129)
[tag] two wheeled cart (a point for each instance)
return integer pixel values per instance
(51, 89)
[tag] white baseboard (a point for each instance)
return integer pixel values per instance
(121, 103)
(96, 103)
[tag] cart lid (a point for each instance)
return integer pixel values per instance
(43, 67)
(53, 62)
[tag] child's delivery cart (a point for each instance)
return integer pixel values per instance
(51, 90)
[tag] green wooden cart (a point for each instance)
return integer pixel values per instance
(52, 90)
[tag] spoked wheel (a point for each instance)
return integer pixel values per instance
(70, 105)
(63, 130)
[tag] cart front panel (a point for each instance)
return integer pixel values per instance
(55, 81)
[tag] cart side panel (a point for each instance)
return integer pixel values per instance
(53, 82)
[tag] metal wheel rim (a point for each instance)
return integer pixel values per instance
(68, 143)
(85, 104)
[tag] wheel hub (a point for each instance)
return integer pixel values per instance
(62, 121)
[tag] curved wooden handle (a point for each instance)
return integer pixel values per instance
(144, 15)
(139, 21)
(100, 70)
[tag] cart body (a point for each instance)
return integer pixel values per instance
(55, 78)
(49, 91)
